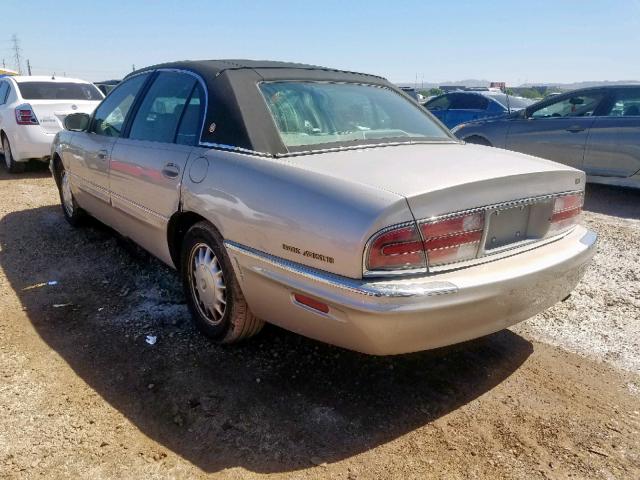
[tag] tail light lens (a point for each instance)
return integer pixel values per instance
(397, 249)
(25, 115)
(566, 213)
(453, 239)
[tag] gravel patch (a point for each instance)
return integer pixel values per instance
(601, 319)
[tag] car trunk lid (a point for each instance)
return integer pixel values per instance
(442, 178)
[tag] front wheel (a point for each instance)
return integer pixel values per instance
(12, 165)
(213, 294)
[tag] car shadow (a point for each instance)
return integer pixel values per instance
(34, 169)
(277, 403)
(616, 201)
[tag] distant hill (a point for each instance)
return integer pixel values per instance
(472, 82)
(576, 85)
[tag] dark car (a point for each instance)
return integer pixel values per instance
(458, 107)
(594, 129)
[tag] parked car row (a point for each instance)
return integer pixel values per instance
(324, 201)
(596, 130)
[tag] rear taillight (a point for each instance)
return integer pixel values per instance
(397, 249)
(566, 213)
(25, 115)
(453, 239)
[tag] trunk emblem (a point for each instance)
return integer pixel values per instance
(74, 107)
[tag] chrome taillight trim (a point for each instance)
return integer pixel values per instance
(496, 254)
(388, 273)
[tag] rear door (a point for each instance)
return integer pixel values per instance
(557, 130)
(613, 148)
(147, 166)
(90, 152)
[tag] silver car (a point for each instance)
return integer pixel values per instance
(326, 202)
(596, 130)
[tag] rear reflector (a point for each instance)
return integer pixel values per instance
(25, 115)
(397, 249)
(311, 303)
(454, 239)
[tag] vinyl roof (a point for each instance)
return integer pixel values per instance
(236, 115)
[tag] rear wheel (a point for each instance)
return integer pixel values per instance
(477, 140)
(213, 294)
(12, 165)
(72, 212)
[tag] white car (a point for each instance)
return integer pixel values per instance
(32, 111)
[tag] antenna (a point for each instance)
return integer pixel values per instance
(28, 67)
(16, 53)
(506, 92)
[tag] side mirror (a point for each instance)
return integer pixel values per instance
(77, 122)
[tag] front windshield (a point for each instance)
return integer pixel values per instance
(314, 113)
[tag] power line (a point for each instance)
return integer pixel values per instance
(16, 53)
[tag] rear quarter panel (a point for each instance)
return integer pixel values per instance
(284, 210)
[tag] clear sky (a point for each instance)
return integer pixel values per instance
(513, 41)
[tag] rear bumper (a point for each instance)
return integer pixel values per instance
(31, 142)
(398, 316)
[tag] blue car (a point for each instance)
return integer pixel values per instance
(459, 107)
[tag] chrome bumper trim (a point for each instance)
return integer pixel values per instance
(409, 287)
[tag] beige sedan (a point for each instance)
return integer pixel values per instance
(325, 202)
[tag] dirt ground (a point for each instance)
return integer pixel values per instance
(82, 395)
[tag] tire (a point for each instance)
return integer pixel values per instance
(12, 165)
(214, 297)
(477, 140)
(70, 209)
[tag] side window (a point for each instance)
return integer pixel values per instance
(580, 105)
(3, 92)
(441, 103)
(190, 125)
(469, 101)
(161, 109)
(111, 114)
(626, 103)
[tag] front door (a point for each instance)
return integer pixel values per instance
(613, 148)
(90, 156)
(556, 130)
(148, 163)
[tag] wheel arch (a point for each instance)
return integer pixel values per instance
(179, 223)
(478, 139)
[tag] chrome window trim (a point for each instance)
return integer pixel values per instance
(498, 253)
(206, 97)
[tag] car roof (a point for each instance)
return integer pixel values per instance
(237, 117)
(46, 78)
(216, 67)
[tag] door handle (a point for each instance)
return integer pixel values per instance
(575, 129)
(171, 170)
(102, 154)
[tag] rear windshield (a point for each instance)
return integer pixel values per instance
(58, 91)
(311, 114)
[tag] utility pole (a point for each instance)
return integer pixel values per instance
(16, 53)
(28, 67)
